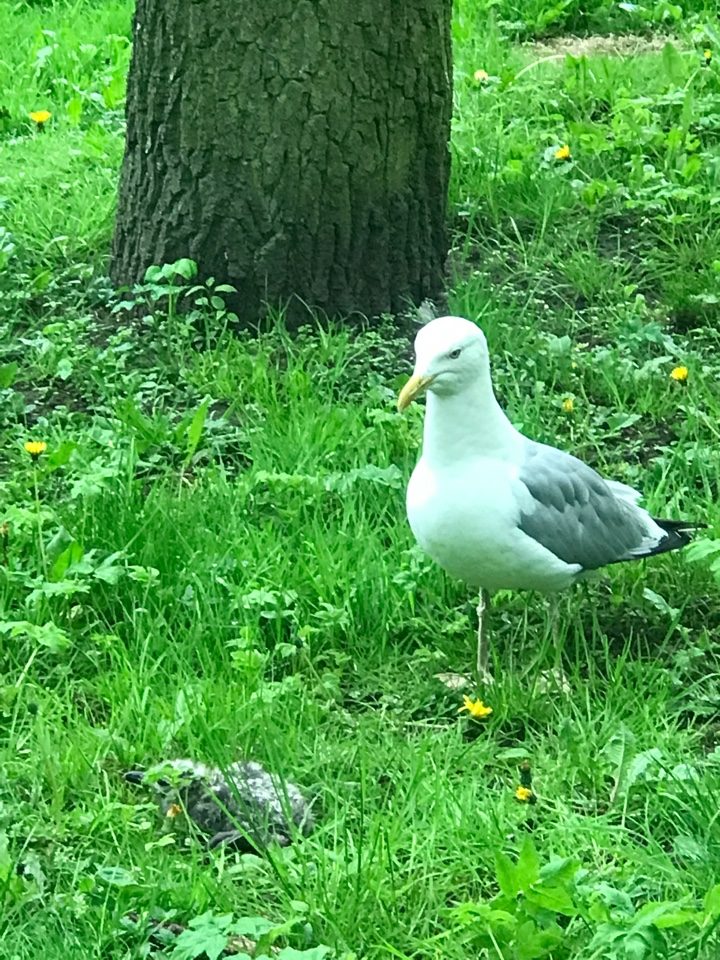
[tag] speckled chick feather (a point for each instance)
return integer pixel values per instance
(245, 807)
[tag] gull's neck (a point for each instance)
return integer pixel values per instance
(466, 425)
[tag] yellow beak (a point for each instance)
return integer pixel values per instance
(412, 388)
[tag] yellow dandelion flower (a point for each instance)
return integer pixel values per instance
(481, 76)
(568, 405)
(563, 153)
(707, 55)
(679, 373)
(40, 116)
(476, 708)
(524, 795)
(173, 810)
(35, 448)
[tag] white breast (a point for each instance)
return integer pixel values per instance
(467, 521)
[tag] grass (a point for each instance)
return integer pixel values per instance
(212, 557)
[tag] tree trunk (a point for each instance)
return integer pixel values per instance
(297, 149)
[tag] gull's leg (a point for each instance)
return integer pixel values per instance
(483, 649)
(555, 679)
(554, 617)
(555, 639)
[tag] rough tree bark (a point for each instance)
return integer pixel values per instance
(290, 147)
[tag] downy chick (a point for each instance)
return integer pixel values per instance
(246, 807)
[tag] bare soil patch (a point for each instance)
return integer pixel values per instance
(618, 45)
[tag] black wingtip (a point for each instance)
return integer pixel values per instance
(679, 533)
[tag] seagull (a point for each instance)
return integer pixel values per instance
(497, 509)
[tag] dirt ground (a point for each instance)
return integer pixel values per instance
(617, 46)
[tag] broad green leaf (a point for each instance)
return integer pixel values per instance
(552, 897)
(60, 455)
(48, 635)
(640, 764)
(184, 267)
(253, 927)
(559, 346)
(8, 372)
(114, 91)
(614, 898)
(528, 865)
(110, 571)
(116, 876)
(195, 429)
(702, 549)
(649, 913)
(64, 368)
(679, 918)
(74, 110)
(532, 943)
(506, 874)
(711, 903)
(559, 869)
(70, 555)
(60, 541)
(153, 274)
(209, 919)
(673, 63)
(201, 942)
(314, 953)
(636, 947)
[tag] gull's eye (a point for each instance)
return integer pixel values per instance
(455, 354)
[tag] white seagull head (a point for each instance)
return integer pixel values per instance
(451, 353)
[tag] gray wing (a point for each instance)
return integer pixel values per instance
(575, 514)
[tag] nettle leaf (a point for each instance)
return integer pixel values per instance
(206, 936)
(108, 570)
(559, 869)
(552, 896)
(46, 635)
(383, 476)
(314, 953)
(532, 943)
(63, 588)
(640, 764)
(637, 946)
(200, 943)
(614, 898)
(116, 876)
(253, 927)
